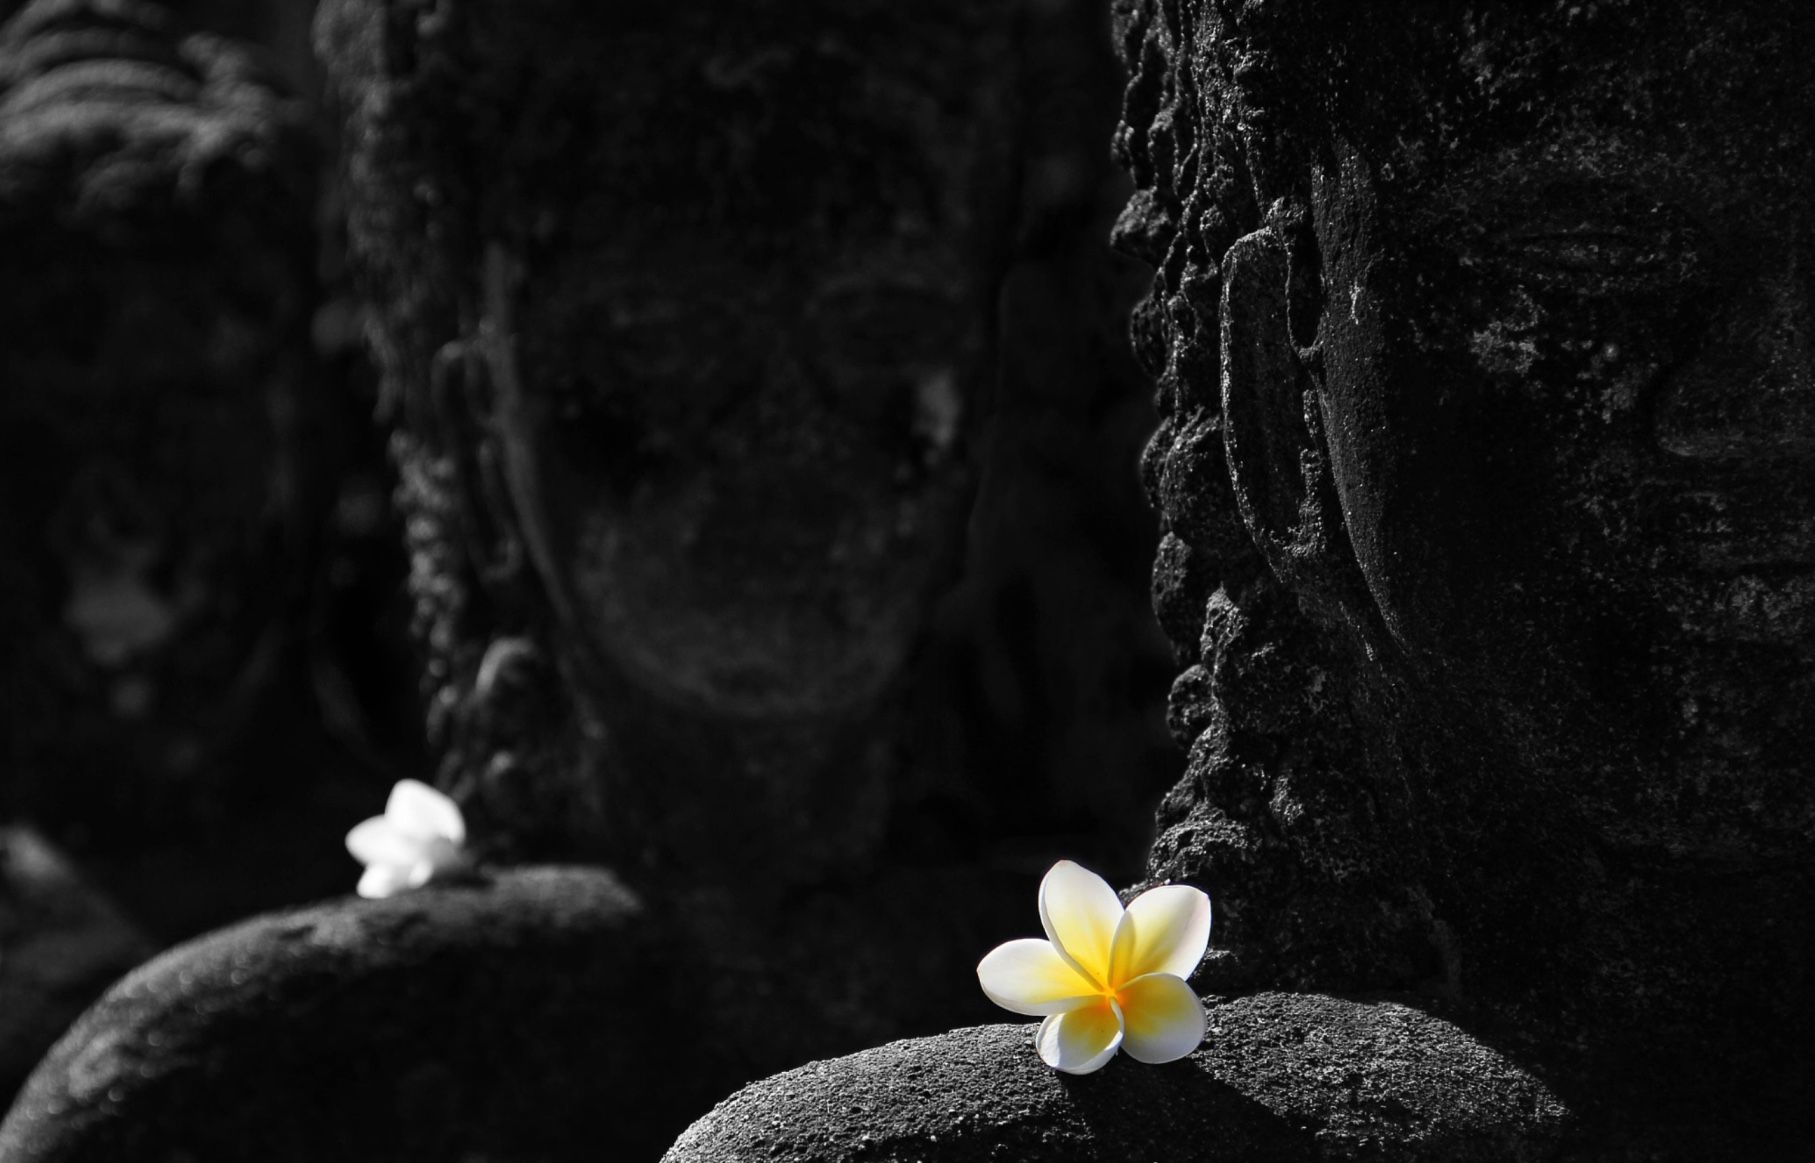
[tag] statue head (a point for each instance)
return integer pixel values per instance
(723, 320)
(1488, 463)
(156, 210)
(756, 341)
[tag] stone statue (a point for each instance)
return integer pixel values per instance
(687, 323)
(683, 382)
(1487, 467)
(163, 477)
(162, 464)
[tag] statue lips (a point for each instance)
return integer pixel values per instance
(1735, 517)
(1765, 606)
(697, 597)
(1736, 549)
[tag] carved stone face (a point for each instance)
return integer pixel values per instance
(765, 466)
(159, 484)
(759, 363)
(1569, 387)
(1520, 409)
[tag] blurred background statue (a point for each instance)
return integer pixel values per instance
(764, 455)
(164, 474)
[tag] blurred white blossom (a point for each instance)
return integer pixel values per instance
(420, 836)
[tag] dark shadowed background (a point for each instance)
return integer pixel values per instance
(210, 673)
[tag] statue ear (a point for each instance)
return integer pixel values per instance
(1270, 447)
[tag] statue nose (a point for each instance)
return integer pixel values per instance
(1750, 392)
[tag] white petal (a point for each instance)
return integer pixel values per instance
(382, 880)
(1162, 1016)
(1165, 930)
(376, 841)
(1029, 977)
(441, 855)
(419, 810)
(1082, 1040)
(1079, 912)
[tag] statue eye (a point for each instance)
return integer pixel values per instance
(1594, 251)
(1604, 244)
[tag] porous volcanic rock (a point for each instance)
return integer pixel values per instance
(1281, 1077)
(537, 1016)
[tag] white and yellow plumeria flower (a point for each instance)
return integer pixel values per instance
(419, 837)
(1106, 978)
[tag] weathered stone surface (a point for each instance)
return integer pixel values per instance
(685, 377)
(685, 413)
(544, 1015)
(1487, 319)
(1484, 351)
(550, 1012)
(1281, 1077)
(690, 414)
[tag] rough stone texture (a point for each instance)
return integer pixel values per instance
(1483, 341)
(777, 418)
(61, 944)
(159, 457)
(542, 1016)
(1486, 460)
(688, 382)
(1282, 1077)
(683, 390)
(545, 1014)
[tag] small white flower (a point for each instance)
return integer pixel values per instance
(1106, 978)
(418, 838)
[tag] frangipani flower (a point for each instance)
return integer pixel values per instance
(418, 838)
(1106, 978)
